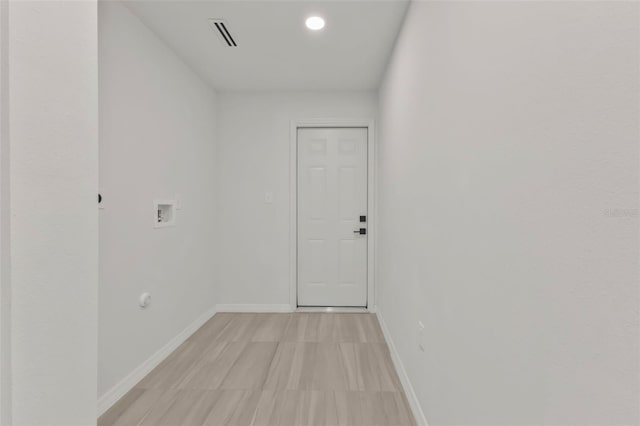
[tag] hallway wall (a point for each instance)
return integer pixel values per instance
(157, 141)
(5, 230)
(253, 158)
(53, 229)
(508, 210)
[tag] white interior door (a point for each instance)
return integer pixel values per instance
(332, 209)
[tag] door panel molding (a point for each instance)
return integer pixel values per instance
(369, 124)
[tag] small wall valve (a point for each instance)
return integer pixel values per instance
(144, 300)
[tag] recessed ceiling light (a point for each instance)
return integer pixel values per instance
(315, 23)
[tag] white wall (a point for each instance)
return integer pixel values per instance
(54, 221)
(508, 129)
(5, 235)
(157, 141)
(253, 158)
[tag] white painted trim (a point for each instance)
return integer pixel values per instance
(112, 396)
(253, 308)
(375, 224)
(293, 201)
(336, 310)
(421, 420)
(371, 218)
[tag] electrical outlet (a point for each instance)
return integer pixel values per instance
(421, 336)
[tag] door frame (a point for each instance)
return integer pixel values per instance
(369, 124)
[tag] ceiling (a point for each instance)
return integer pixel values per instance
(275, 50)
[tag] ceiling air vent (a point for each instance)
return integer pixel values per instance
(220, 27)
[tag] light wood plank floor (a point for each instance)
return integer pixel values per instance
(272, 369)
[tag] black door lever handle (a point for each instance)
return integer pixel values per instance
(361, 231)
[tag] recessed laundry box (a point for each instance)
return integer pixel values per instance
(164, 213)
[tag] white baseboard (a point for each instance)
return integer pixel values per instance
(402, 373)
(112, 396)
(337, 310)
(254, 308)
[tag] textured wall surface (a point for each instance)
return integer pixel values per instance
(53, 122)
(508, 210)
(5, 236)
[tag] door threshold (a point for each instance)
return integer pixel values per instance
(330, 309)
